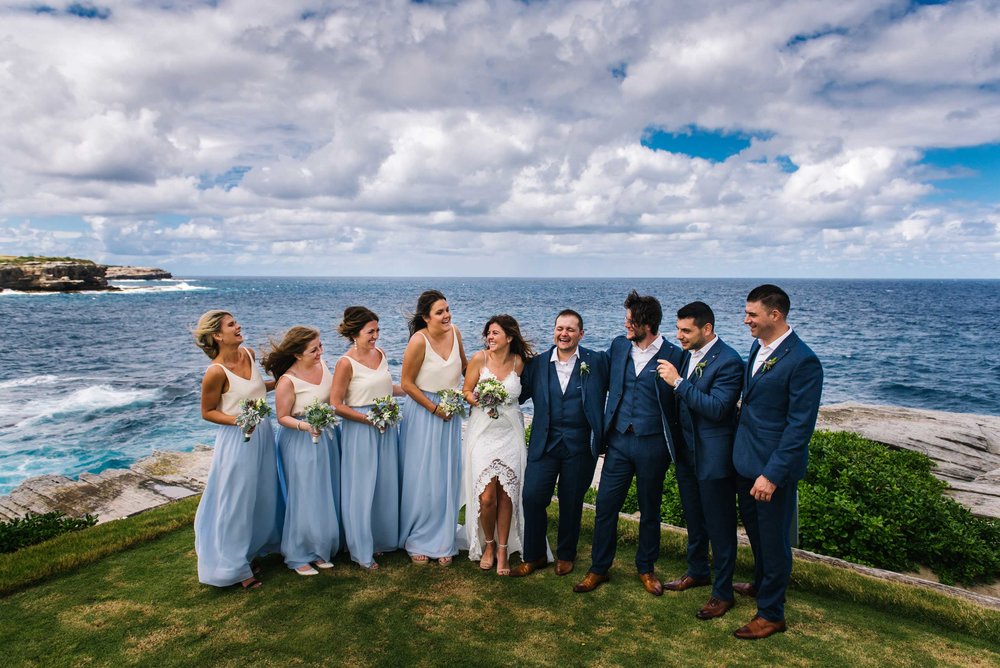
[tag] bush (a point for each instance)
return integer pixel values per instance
(35, 528)
(867, 503)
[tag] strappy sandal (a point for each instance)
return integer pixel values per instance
(419, 559)
(306, 570)
(322, 564)
(444, 561)
(502, 571)
(488, 565)
(251, 584)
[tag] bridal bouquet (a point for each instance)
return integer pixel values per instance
(451, 403)
(319, 416)
(385, 413)
(491, 394)
(252, 413)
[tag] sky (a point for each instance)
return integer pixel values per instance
(765, 138)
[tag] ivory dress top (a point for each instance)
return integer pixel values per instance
(306, 392)
(366, 384)
(241, 388)
(438, 374)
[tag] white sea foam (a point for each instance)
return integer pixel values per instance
(19, 293)
(183, 286)
(46, 379)
(86, 400)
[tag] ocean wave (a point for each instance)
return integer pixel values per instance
(20, 293)
(182, 286)
(46, 379)
(86, 400)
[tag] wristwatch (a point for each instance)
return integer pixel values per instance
(677, 383)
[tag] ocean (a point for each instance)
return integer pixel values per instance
(99, 380)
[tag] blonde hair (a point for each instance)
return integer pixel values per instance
(281, 356)
(208, 324)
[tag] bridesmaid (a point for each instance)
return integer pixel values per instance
(430, 443)
(239, 514)
(369, 459)
(311, 536)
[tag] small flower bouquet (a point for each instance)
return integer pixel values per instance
(385, 413)
(319, 416)
(491, 394)
(451, 403)
(766, 366)
(252, 413)
(584, 369)
(699, 368)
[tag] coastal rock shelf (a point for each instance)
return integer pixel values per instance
(136, 274)
(31, 274)
(965, 448)
(115, 493)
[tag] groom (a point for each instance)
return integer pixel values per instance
(641, 426)
(568, 387)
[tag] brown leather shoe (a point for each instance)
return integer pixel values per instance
(564, 567)
(758, 628)
(528, 567)
(715, 607)
(590, 582)
(745, 589)
(686, 582)
(651, 583)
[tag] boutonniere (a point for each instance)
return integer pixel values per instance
(584, 368)
(699, 368)
(766, 366)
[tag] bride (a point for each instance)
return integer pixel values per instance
(494, 453)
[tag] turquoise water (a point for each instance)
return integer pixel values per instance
(95, 381)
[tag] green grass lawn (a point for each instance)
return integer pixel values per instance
(141, 604)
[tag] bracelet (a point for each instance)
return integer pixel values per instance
(298, 426)
(434, 412)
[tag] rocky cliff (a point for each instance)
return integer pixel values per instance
(136, 274)
(44, 274)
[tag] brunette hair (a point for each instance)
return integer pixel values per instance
(208, 324)
(701, 313)
(772, 297)
(569, 311)
(424, 303)
(354, 320)
(518, 345)
(646, 310)
(281, 356)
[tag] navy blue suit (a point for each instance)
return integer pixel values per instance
(567, 433)
(777, 418)
(640, 421)
(706, 403)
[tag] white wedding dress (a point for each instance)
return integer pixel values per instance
(494, 448)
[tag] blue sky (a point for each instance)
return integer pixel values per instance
(782, 138)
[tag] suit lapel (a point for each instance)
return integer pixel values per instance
(754, 348)
(548, 369)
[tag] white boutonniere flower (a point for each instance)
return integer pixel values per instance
(699, 368)
(584, 368)
(766, 366)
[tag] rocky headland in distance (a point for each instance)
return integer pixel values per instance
(67, 274)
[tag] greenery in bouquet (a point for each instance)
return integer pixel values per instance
(385, 413)
(252, 413)
(320, 415)
(451, 403)
(491, 394)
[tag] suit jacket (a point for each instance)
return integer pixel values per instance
(706, 404)
(593, 385)
(619, 353)
(778, 413)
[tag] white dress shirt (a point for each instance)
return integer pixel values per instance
(564, 369)
(699, 355)
(765, 351)
(640, 358)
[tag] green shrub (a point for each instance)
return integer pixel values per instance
(867, 503)
(35, 528)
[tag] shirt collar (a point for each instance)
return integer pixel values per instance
(701, 352)
(654, 347)
(555, 356)
(777, 342)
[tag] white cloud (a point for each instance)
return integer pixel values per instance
(419, 138)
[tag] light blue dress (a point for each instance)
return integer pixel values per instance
(430, 458)
(311, 473)
(239, 515)
(369, 469)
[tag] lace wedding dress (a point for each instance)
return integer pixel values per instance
(494, 448)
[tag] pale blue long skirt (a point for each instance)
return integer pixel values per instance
(430, 462)
(369, 478)
(239, 515)
(311, 474)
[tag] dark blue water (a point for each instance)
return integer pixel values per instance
(89, 382)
